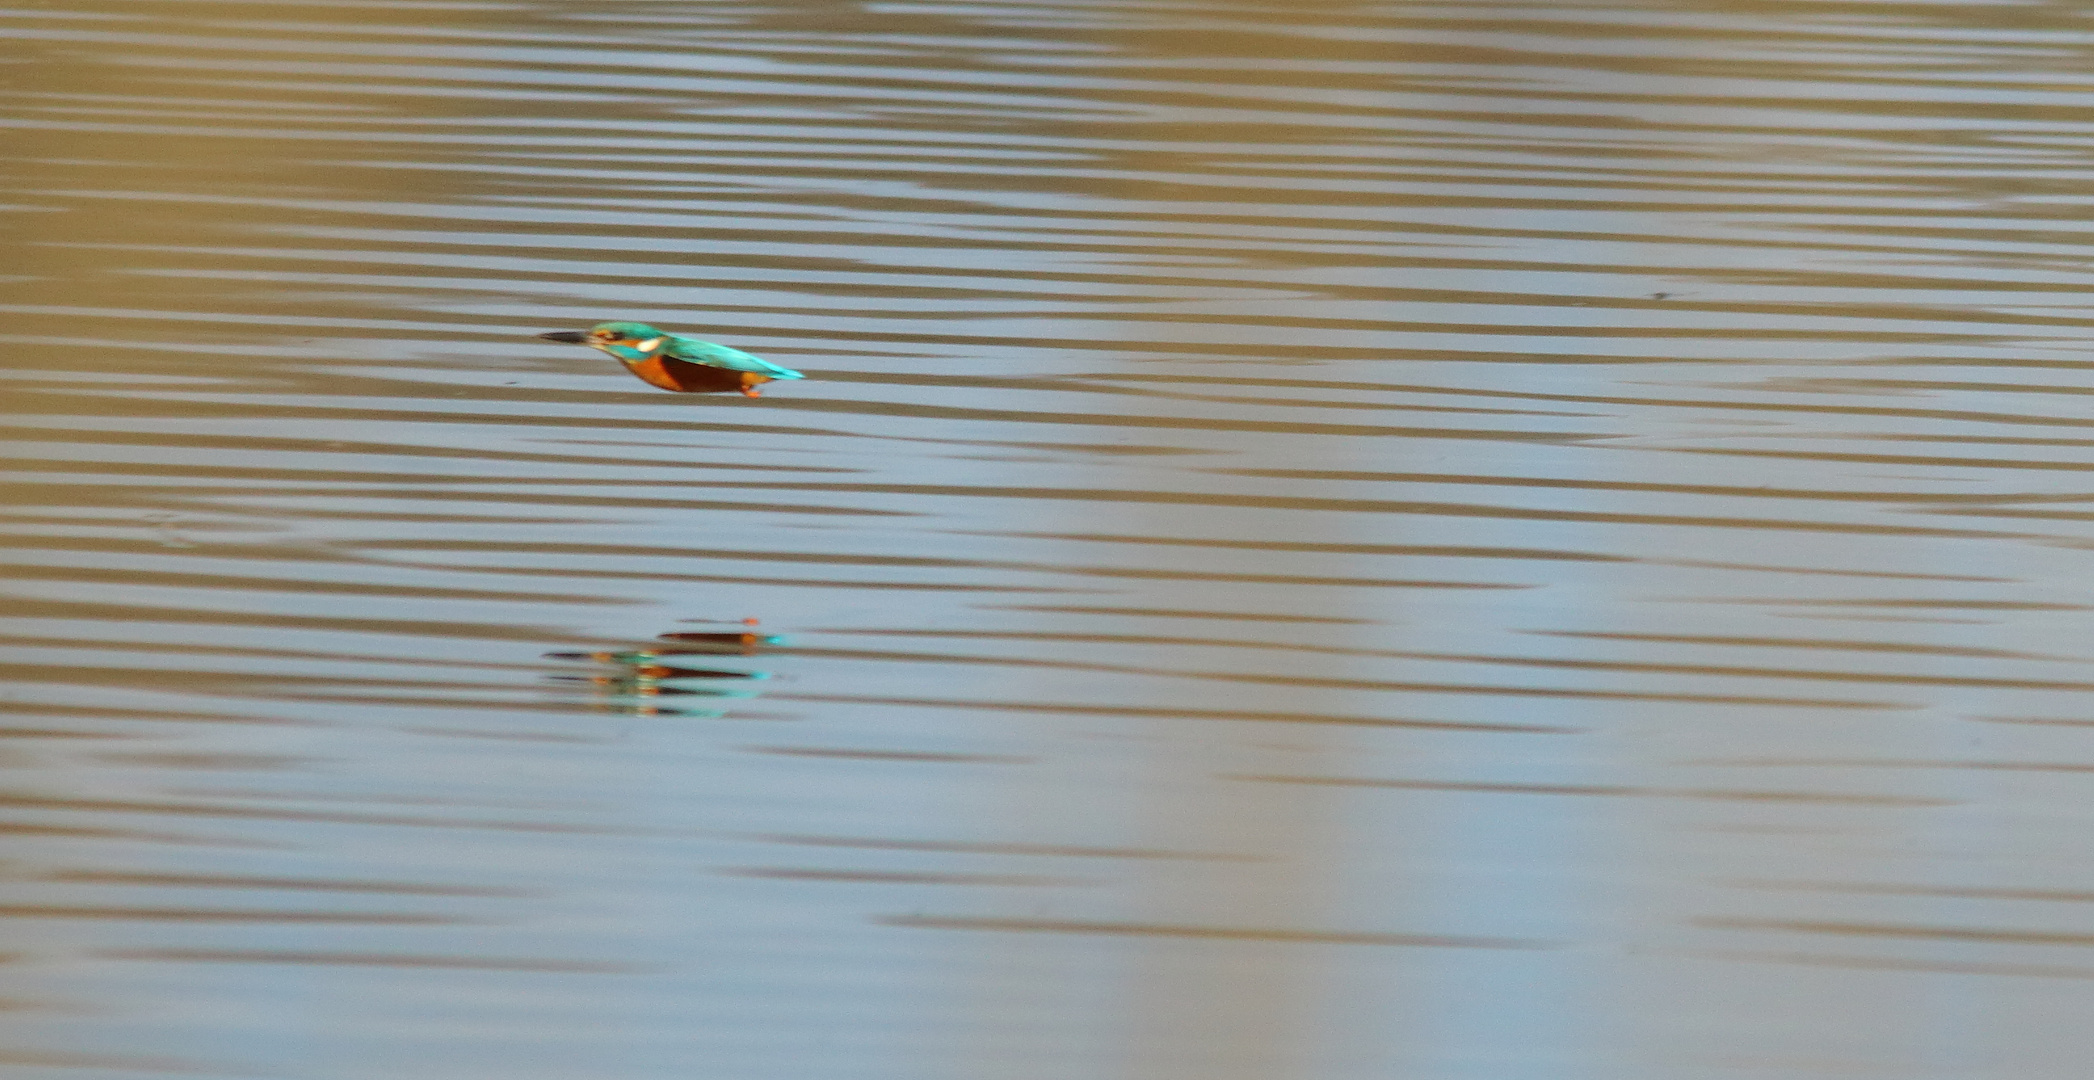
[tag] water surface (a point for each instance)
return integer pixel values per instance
(1341, 541)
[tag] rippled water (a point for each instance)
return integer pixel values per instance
(1333, 541)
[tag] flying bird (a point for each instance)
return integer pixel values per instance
(675, 362)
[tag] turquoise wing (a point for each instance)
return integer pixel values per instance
(720, 356)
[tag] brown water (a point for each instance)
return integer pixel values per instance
(1328, 541)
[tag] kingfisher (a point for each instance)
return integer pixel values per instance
(675, 362)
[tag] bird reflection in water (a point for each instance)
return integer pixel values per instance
(672, 678)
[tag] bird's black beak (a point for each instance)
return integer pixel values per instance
(571, 337)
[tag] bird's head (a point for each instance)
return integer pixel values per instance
(624, 340)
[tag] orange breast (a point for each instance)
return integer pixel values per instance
(685, 377)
